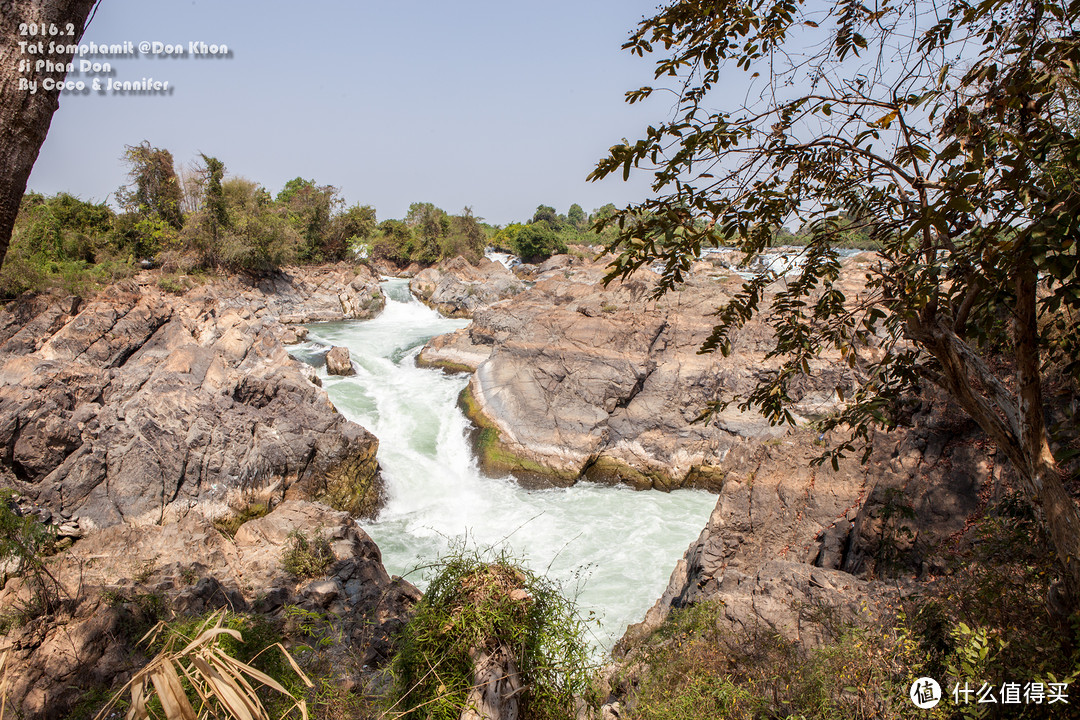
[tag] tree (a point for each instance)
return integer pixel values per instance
(25, 117)
(308, 208)
(576, 217)
(429, 225)
(944, 133)
(537, 241)
(212, 172)
(546, 213)
(154, 191)
(351, 228)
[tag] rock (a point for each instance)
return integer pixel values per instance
(611, 711)
(322, 592)
(130, 407)
(326, 293)
(54, 663)
(496, 686)
(457, 288)
(785, 536)
(338, 361)
(575, 379)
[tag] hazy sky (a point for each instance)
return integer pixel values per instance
(493, 104)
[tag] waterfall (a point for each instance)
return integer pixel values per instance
(612, 547)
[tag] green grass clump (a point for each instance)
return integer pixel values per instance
(306, 555)
(477, 605)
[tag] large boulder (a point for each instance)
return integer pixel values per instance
(574, 378)
(456, 288)
(324, 293)
(338, 361)
(141, 406)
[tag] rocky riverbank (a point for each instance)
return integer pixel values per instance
(140, 406)
(138, 418)
(576, 380)
(121, 580)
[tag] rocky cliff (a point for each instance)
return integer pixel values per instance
(574, 379)
(139, 405)
(124, 578)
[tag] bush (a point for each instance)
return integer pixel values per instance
(984, 621)
(24, 544)
(307, 556)
(537, 242)
(474, 606)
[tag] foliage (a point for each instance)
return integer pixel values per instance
(155, 190)
(352, 229)
(984, 619)
(198, 674)
(537, 241)
(307, 555)
(25, 543)
(64, 242)
(958, 158)
(308, 208)
(427, 235)
(698, 670)
(476, 605)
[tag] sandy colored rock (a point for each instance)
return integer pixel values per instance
(457, 288)
(606, 382)
(195, 569)
(338, 361)
(141, 406)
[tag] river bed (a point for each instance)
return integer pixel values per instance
(611, 547)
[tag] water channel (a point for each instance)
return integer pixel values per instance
(612, 547)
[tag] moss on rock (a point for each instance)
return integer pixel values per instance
(496, 458)
(355, 484)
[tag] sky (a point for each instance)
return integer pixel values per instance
(496, 105)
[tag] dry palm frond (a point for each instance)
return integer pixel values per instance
(222, 685)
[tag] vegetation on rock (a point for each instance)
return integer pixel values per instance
(477, 611)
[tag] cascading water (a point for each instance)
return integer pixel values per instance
(615, 547)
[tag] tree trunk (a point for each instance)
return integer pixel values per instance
(25, 116)
(1014, 421)
(496, 686)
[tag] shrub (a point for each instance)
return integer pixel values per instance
(25, 543)
(307, 556)
(474, 606)
(537, 242)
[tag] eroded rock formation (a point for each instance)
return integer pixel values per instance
(457, 288)
(125, 577)
(574, 379)
(139, 406)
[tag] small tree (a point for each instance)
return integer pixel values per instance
(24, 545)
(943, 132)
(154, 191)
(308, 208)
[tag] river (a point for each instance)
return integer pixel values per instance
(611, 547)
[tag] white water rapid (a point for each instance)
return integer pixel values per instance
(614, 547)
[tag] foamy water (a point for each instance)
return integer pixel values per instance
(613, 547)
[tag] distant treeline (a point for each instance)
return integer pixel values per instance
(201, 219)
